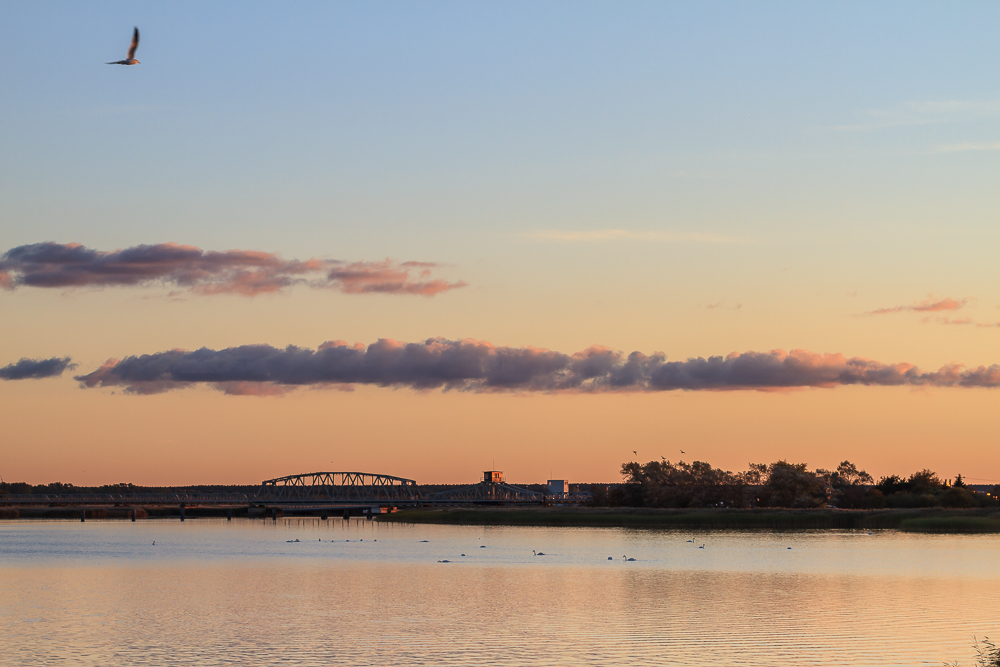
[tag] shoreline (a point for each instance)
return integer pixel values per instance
(915, 520)
(925, 520)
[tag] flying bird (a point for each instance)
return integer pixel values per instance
(131, 51)
(682, 451)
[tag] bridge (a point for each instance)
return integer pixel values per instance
(337, 487)
(314, 490)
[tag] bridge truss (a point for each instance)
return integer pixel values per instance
(338, 487)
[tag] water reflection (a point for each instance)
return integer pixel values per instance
(358, 593)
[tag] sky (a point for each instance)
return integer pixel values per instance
(425, 239)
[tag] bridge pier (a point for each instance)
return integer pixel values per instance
(324, 516)
(347, 515)
(133, 515)
(229, 514)
(182, 511)
(274, 514)
(83, 514)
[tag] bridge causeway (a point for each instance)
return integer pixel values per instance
(314, 490)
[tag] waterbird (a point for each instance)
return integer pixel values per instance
(690, 540)
(425, 540)
(631, 559)
(463, 555)
(702, 546)
(789, 547)
(154, 543)
(610, 558)
(130, 60)
(444, 561)
(538, 553)
(482, 546)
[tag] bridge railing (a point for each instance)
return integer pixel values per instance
(487, 492)
(123, 498)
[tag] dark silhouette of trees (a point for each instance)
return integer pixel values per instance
(782, 484)
(849, 487)
(793, 485)
(696, 484)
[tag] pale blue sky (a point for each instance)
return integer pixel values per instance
(377, 127)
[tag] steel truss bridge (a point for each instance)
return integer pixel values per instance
(337, 487)
(315, 489)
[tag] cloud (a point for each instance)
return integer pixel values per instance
(928, 305)
(244, 272)
(33, 369)
(478, 366)
(599, 235)
(934, 112)
(948, 320)
(962, 148)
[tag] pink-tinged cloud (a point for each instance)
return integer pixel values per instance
(388, 277)
(472, 365)
(244, 272)
(928, 305)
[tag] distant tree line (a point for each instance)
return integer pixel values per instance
(782, 484)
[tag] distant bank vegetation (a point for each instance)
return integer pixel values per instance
(783, 485)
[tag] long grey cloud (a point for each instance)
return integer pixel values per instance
(471, 365)
(33, 369)
(246, 272)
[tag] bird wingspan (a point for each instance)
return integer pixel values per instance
(117, 62)
(135, 43)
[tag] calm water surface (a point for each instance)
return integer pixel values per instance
(212, 592)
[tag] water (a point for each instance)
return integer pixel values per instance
(212, 592)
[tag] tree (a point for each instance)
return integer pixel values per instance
(696, 484)
(793, 485)
(849, 485)
(925, 481)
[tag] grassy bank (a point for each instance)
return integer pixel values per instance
(924, 520)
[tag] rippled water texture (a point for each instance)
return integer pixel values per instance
(361, 593)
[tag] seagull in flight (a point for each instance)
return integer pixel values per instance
(131, 51)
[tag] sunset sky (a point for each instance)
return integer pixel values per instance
(524, 192)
